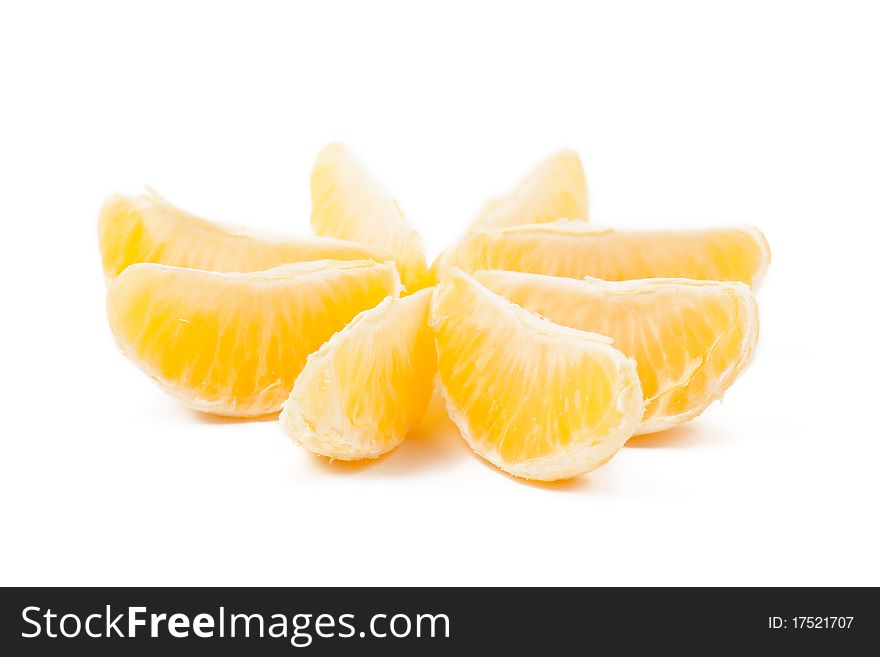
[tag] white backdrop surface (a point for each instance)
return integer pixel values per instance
(685, 113)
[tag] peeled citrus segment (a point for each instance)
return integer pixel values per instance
(233, 343)
(361, 393)
(554, 189)
(574, 249)
(538, 400)
(147, 228)
(347, 203)
(691, 339)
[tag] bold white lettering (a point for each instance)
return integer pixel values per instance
(178, 625)
(203, 626)
(155, 619)
(134, 621)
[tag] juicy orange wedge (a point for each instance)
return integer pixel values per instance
(691, 339)
(348, 203)
(361, 393)
(147, 228)
(555, 189)
(233, 343)
(536, 399)
(575, 249)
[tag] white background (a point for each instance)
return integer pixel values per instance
(686, 114)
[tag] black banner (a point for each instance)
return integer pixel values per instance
(332, 621)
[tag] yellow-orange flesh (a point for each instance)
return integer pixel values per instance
(233, 343)
(575, 250)
(363, 390)
(538, 400)
(348, 204)
(555, 189)
(147, 228)
(691, 339)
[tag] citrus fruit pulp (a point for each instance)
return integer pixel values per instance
(233, 343)
(575, 249)
(147, 228)
(365, 388)
(690, 339)
(347, 203)
(536, 399)
(555, 189)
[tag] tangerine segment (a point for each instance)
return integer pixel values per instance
(691, 339)
(538, 400)
(364, 389)
(147, 228)
(574, 249)
(347, 203)
(233, 343)
(555, 189)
